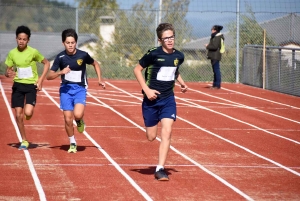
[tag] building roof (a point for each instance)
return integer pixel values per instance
(283, 30)
(49, 44)
(200, 43)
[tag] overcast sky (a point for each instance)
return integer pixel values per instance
(200, 11)
(225, 5)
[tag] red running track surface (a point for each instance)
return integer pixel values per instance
(236, 143)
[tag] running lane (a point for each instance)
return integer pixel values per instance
(247, 157)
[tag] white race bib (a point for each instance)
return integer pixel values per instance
(73, 76)
(25, 72)
(166, 74)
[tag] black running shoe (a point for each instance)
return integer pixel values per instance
(161, 175)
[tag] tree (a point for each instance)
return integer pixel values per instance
(251, 33)
(103, 4)
(175, 12)
(134, 30)
(90, 12)
(39, 15)
(250, 30)
(135, 33)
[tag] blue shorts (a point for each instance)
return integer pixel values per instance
(154, 111)
(70, 95)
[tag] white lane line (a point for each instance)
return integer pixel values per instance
(151, 165)
(112, 99)
(52, 125)
(222, 138)
(217, 103)
(174, 165)
(256, 97)
(243, 122)
(116, 165)
(242, 147)
(245, 106)
(108, 93)
(180, 153)
(131, 127)
(34, 175)
(118, 100)
(111, 94)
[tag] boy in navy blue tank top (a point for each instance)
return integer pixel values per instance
(161, 66)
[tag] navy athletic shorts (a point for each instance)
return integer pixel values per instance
(154, 111)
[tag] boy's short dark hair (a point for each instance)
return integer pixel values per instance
(164, 27)
(69, 33)
(23, 29)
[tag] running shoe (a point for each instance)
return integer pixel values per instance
(24, 145)
(161, 175)
(80, 126)
(73, 148)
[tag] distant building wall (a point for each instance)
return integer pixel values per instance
(107, 28)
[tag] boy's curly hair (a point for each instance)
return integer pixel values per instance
(23, 29)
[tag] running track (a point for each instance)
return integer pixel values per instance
(237, 143)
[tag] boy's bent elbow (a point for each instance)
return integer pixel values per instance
(49, 76)
(135, 71)
(138, 69)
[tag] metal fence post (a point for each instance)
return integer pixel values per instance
(237, 41)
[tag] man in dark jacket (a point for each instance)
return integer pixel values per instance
(214, 54)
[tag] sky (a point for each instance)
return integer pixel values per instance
(226, 6)
(201, 12)
(200, 5)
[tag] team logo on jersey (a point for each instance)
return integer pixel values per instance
(79, 61)
(176, 61)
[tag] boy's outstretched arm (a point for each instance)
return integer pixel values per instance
(43, 76)
(183, 86)
(98, 71)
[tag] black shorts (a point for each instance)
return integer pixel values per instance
(23, 92)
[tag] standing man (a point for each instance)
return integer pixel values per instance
(161, 66)
(72, 65)
(21, 65)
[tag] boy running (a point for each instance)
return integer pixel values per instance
(21, 65)
(161, 66)
(72, 65)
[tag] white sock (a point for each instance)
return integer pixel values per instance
(72, 139)
(158, 167)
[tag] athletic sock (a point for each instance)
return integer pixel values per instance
(158, 167)
(72, 139)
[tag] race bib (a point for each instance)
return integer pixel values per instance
(24, 73)
(73, 76)
(166, 74)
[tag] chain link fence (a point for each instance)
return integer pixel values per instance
(119, 38)
(279, 72)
